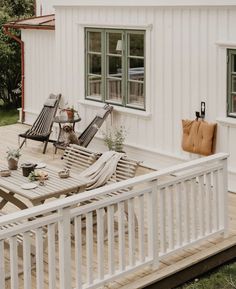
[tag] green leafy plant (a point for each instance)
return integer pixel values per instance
(114, 139)
(13, 154)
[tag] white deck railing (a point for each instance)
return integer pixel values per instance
(76, 243)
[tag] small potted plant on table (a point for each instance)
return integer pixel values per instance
(13, 156)
(70, 112)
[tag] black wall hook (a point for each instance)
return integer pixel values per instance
(203, 111)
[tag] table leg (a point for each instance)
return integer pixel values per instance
(9, 197)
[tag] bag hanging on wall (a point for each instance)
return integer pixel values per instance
(199, 137)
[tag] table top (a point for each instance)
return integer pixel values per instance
(54, 186)
(62, 119)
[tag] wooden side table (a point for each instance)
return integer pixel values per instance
(61, 120)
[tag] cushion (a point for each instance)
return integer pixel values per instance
(50, 102)
(198, 137)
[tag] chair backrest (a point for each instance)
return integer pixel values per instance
(88, 134)
(43, 123)
(78, 158)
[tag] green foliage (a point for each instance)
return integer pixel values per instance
(222, 278)
(114, 139)
(10, 53)
(13, 154)
(8, 116)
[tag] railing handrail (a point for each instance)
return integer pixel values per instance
(68, 202)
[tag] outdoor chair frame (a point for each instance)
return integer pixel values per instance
(42, 127)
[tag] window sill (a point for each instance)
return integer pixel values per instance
(227, 121)
(130, 111)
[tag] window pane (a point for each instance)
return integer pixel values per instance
(114, 90)
(95, 64)
(94, 87)
(114, 43)
(136, 94)
(114, 66)
(94, 39)
(136, 44)
(233, 84)
(136, 69)
(233, 63)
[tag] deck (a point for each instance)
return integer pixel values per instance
(169, 265)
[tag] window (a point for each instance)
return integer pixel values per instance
(115, 67)
(231, 83)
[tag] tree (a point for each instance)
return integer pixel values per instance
(10, 53)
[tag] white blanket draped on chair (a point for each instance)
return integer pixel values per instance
(102, 170)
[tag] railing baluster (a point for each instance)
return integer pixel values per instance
(162, 208)
(216, 201)
(110, 234)
(89, 247)
(208, 208)
(201, 209)
(178, 223)
(170, 220)
(131, 230)
(141, 246)
(64, 248)
(39, 258)
(14, 263)
(51, 256)
(78, 252)
(27, 260)
(121, 232)
(2, 266)
(100, 243)
(194, 208)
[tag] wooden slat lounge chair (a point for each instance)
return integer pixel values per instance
(78, 158)
(88, 134)
(42, 127)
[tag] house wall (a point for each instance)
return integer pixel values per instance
(44, 7)
(186, 64)
(39, 70)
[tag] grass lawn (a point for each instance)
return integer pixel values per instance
(222, 278)
(9, 116)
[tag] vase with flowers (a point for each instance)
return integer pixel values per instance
(13, 156)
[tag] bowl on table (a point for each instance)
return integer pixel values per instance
(5, 173)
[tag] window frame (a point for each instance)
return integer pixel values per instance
(230, 52)
(125, 66)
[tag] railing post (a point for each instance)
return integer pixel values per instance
(64, 248)
(225, 196)
(153, 247)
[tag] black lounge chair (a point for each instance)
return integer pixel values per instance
(88, 134)
(42, 127)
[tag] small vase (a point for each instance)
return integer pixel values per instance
(12, 164)
(70, 114)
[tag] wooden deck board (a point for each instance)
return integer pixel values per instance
(168, 266)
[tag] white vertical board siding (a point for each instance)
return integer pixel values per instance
(44, 7)
(186, 67)
(39, 69)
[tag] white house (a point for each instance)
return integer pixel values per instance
(154, 60)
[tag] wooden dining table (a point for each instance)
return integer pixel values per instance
(11, 187)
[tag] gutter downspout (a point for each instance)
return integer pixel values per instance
(7, 32)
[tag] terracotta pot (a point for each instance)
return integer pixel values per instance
(12, 164)
(70, 114)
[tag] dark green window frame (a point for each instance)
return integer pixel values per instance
(231, 83)
(129, 83)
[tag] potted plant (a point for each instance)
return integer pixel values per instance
(114, 139)
(13, 156)
(70, 112)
